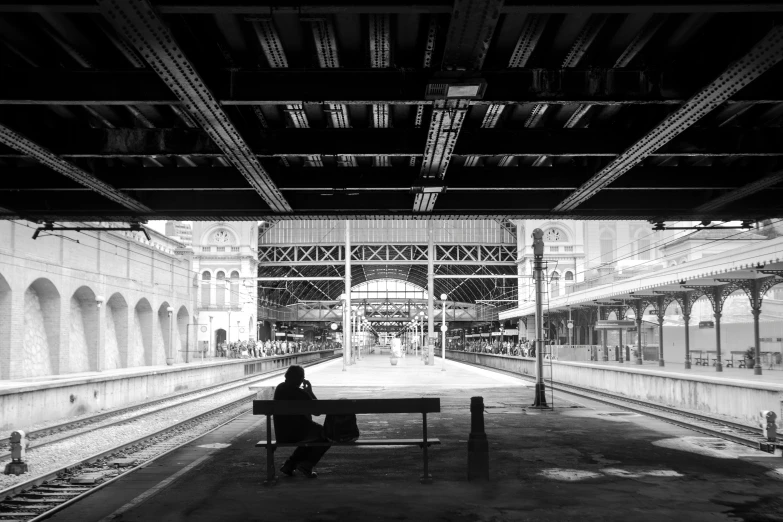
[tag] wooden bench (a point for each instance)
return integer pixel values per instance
(344, 407)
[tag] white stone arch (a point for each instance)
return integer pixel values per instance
(554, 284)
(162, 334)
(206, 286)
(569, 276)
(234, 287)
(141, 338)
(221, 274)
(116, 334)
(41, 348)
(83, 335)
(5, 328)
(183, 317)
(207, 237)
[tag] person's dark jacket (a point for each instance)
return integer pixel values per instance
(291, 428)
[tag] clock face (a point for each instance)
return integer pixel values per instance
(553, 234)
(221, 236)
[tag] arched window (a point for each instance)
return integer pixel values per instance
(606, 240)
(234, 288)
(643, 246)
(220, 290)
(555, 285)
(205, 288)
(569, 276)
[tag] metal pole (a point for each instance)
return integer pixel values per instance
(430, 288)
(538, 268)
(347, 302)
(443, 336)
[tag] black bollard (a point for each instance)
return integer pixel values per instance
(478, 447)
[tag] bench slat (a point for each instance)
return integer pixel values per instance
(346, 406)
(360, 442)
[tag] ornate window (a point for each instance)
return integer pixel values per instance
(221, 237)
(554, 235)
(569, 276)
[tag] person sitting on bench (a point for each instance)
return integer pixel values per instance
(297, 428)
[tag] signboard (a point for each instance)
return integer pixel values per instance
(614, 325)
(706, 324)
(771, 339)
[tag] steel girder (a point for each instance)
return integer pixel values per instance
(140, 23)
(140, 142)
(27, 147)
(764, 183)
(380, 58)
(468, 38)
(765, 54)
(598, 86)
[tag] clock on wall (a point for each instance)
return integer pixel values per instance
(553, 234)
(221, 236)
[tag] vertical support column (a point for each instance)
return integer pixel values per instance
(538, 269)
(347, 301)
(756, 341)
(718, 362)
(621, 346)
(639, 309)
(430, 281)
(660, 338)
(211, 335)
(170, 351)
(687, 319)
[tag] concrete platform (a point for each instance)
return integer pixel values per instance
(577, 462)
(771, 376)
(729, 395)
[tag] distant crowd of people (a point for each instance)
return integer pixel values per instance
(522, 348)
(256, 349)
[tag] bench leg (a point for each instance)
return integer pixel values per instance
(271, 477)
(425, 478)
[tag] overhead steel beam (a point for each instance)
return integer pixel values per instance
(751, 188)
(531, 32)
(141, 25)
(608, 86)
(468, 38)
(18, 142)
(266, 7)
(585, 39)
(141, 142)
(380, 58)
(640, 40)
(765, 54)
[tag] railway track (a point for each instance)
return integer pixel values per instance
(74, 427)
(720, 428)
(40, 496)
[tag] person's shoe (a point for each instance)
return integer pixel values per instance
(287, 469)
(307, 472)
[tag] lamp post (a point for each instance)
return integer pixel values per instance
(211, 335)
(169, 357)
(443, 329)
(359, 330)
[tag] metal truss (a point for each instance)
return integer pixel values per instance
(380, 58)
(140, 23)
(272, 47)
(380, 311)
(49, 159)
(387, 254)
(765, 54)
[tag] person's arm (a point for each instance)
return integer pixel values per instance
(308, 389)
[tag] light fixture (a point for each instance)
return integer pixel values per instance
(443, 297)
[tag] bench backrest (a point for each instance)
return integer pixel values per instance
(346, 406)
